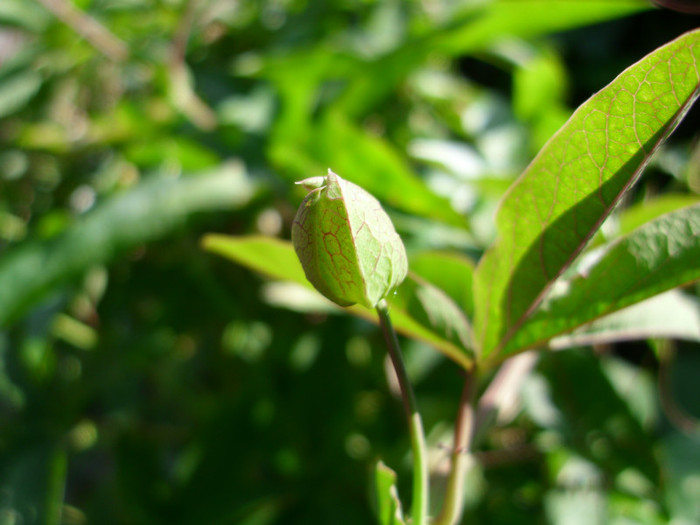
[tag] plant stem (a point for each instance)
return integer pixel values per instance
(89, 28)
(502, 394)
(453, 505)
(419, 510)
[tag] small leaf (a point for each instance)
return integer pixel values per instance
(639, 214)
(347, 244)
(276, 259)
(387, 499)
(670, 315)
(451, 272)
(17, 90)
(432, 307)
(539, 88)
(554, 208)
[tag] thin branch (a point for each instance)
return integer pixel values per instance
(184, 96)
(182, 34)
(472, 422)
(453, 505)
(90, 29)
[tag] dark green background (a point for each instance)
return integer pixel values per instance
(145, 381)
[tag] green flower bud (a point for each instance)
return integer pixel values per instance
(346, 243)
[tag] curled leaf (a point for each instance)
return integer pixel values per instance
(347, 244)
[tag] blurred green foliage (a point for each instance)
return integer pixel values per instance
(144, 381)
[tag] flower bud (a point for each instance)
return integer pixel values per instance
(346, 243)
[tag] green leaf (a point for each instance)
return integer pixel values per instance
(17, 90)
(150, 210)
(276, 259)
(364, 159)
(430, 306)
(387, 499)
(273, 258)
(554, 208)
(539, 87)
(658, 256)
(27, 15)
(379, 168)
(477, 28)
(515, 18)
(347, 244)
(639, 214)
(538, 83)
(670, 315)
(450, 272)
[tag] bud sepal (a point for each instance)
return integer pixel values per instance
(346, 243)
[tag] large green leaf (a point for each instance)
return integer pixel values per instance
(554, 208)
(419, 309)
(656, 257)
(150, 210)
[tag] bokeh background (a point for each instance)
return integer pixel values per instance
(146, 381)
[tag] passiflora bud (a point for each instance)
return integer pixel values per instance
(346, 243)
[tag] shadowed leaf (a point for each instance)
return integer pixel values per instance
(654, 258)
(670, 315)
